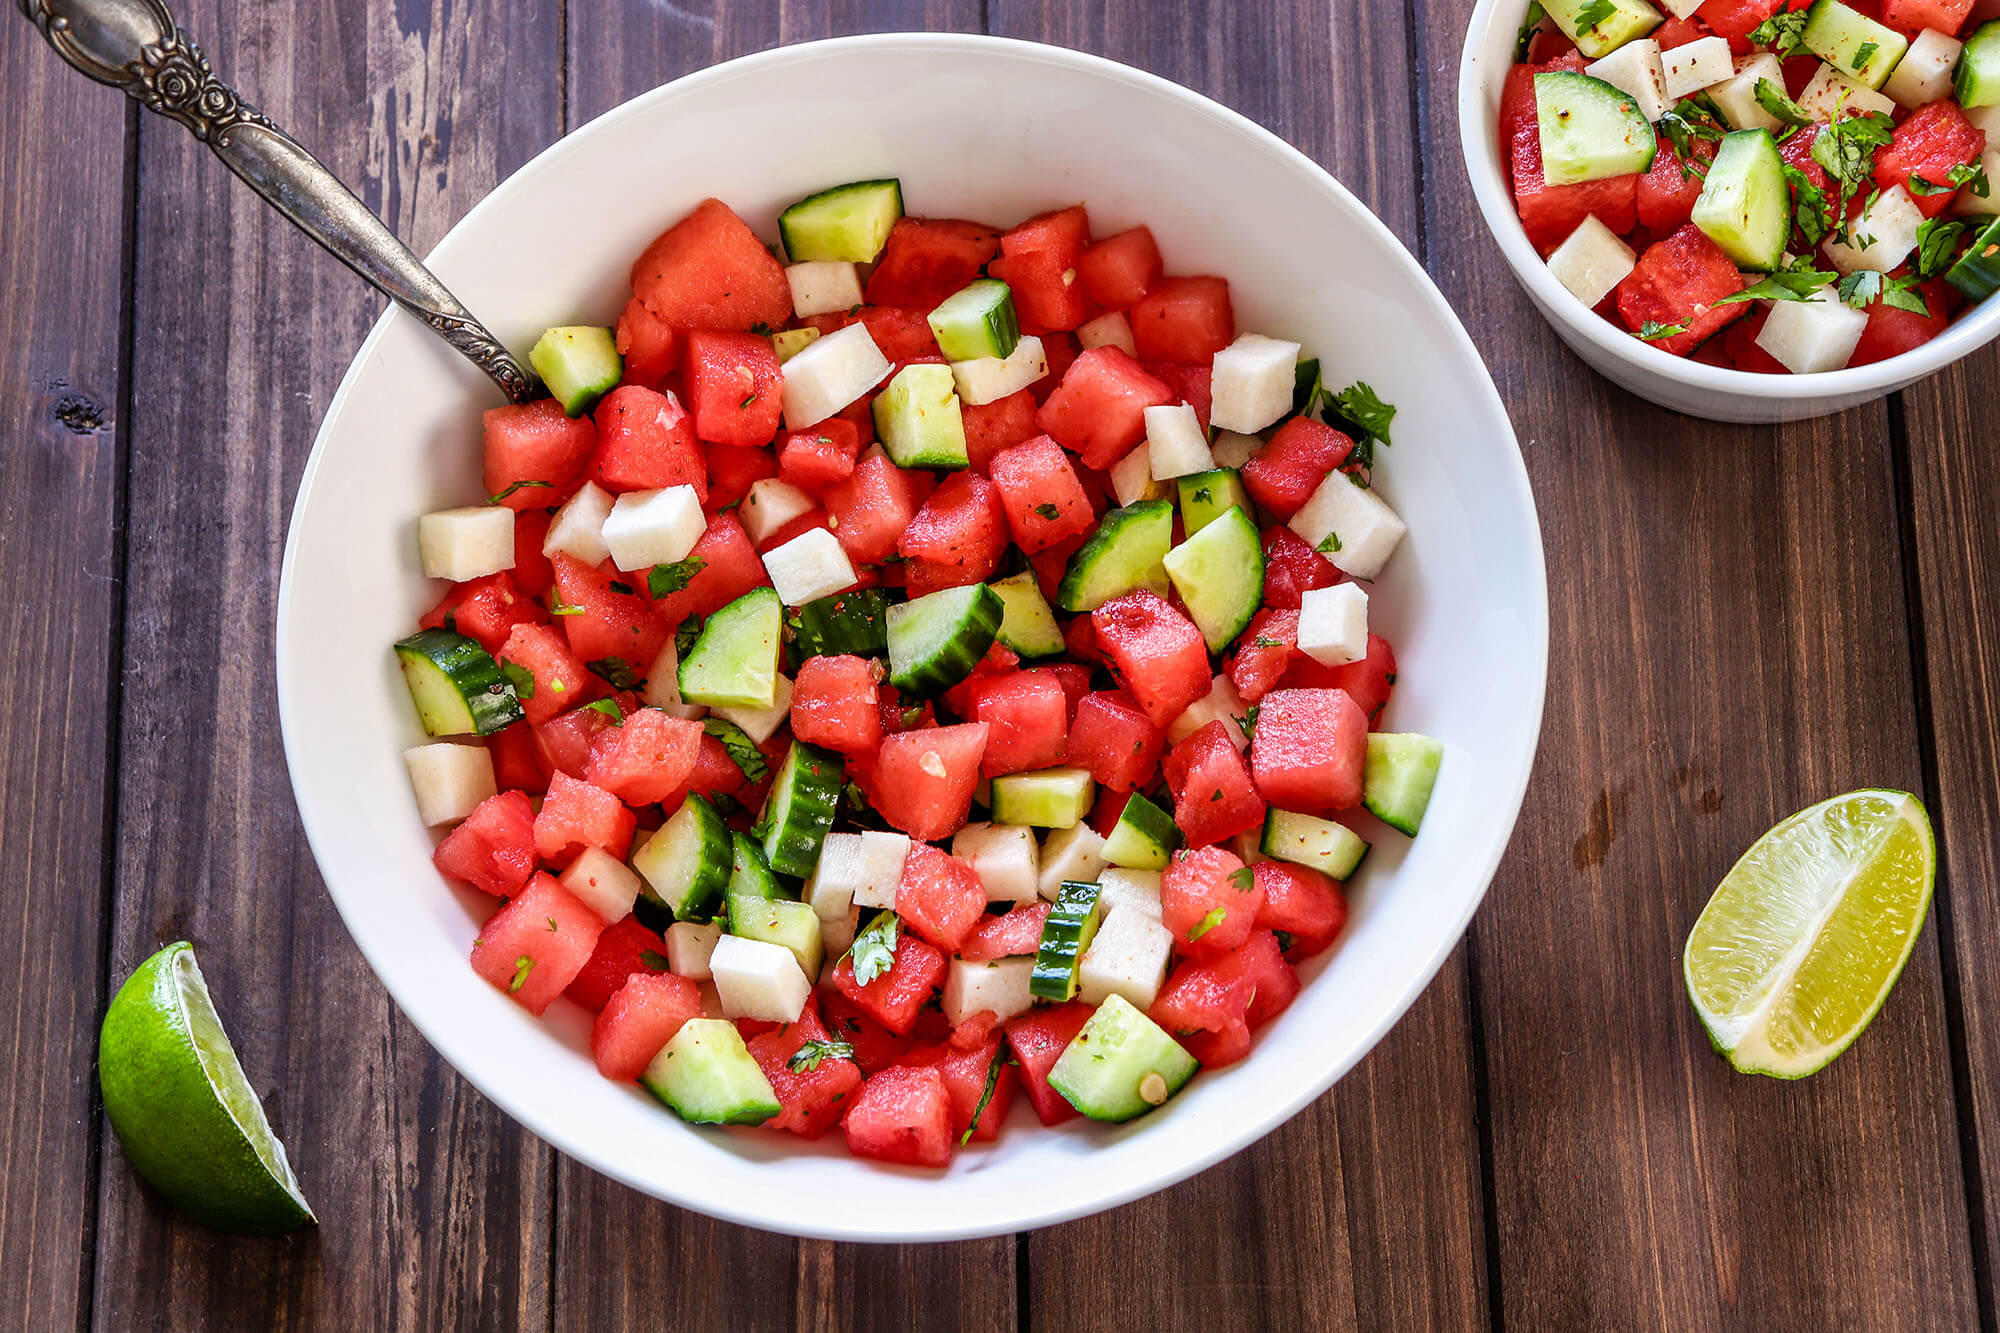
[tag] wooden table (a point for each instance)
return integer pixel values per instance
(1745, 621)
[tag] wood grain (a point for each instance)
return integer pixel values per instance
(59, 548)
(1729, 645)
(1366, 1210)
(434, 1208)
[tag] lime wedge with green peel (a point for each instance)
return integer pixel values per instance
(182, 1109)
(1806, 934)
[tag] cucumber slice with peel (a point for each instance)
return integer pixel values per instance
(1124, 553)
(1977, 79)
(707, 1075)
(936, 640)
(1207, 496)
(1144, 837)
(1590, 129)
(457, 686)
(851, 623)
(785, 922)
(579, 364)
(1051, 798)
(686, 865)
(977, 321)
(1219, 573)
(799, 810)
(1854, 44)
(1977, 272)
(1746, 203)
(1397, 779)
(749, 873)
(919, 419)
(1066, 935)
(1331, 848)
(1599, 27)
(1027, 626)
(849, 223)
(1121, 1064)
(734, 660)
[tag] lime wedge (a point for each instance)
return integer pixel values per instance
(182, 1109)
(1806, 934)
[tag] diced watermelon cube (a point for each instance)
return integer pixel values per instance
(649, 345)
(999, 660)
(1113, 738)
(1292, 568)
(1027, 716)
(1368, 682)
(1038, 260)
(960, 531)
(940, 896)
(1205, 1005)
(836, 703)
(533, 574)
(993, 427)
(1074, 677)
(608, 618)
(647, 759)
(903, 333)
(1209, 899)
(1892, 332)
(1678, 281)
(709, 271)
(517, 761)
(1309, 749)
(894, 998)
(1263, 653)
(1156, 652)
(1282, 475)
(534, 946)
(639, 1019)
(1737, 19)
(560, 680)
(1936, 138)
(815, 1095)
(576, 815)
(903, 1114)
(626, 947)
(1272, 983)
(493, 848)
(875, 1047)
(486, 609)
(564, 741)
(729, 568)
(1099, 410)
(1184, 319)
(1549, 213)
(1119, 270)
(815, 459)
(1301, 902)
(1913, 16)
(927, 259)
(1665, 196)
(1193, 385)
(1039, 490)
(1039, 1038)
(535, 453)
(645, 442)
(1012, 934)
(1214, 797)
(872, 508)
(1061, 351)
(734, 387)
(965, 1069)
(732, 471)
(923, 780)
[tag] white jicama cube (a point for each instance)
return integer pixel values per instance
(1986, 120)
(1112, 330)
(1737, 99)
(769, 505)
(647, 528)
(1248, 847)
(1592, 261)
(1680, 9)
(463, 544)
(829, 373)
(663, 685)
(603, 883)
(1333, 624)
(837, 936)
(1071, 853)
(1636, 68)
(810, 566)
(856, 870)
(760, 723)
(578, 527)
(1127, 957)
(1250, 384)
(1698, 65)
(823, 287)
(450, 780)
(1829, 89)
(1001, 985)
(988, 379)
(1131, 890)
(1924, 73)
(1006, 858)
(1351, 525)
(1132, 478)
(690, 944)
(758, 979)
(1988, 204)
(1175, 442)
(1221, 704)
(1881, 236)
(1813, 335)
(1233, 448)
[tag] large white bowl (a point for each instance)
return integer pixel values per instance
(1710, 392)
(1465, 601)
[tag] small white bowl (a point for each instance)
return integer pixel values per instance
(1684, 385)
(1464, 601)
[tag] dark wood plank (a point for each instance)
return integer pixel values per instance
(1952, 479)
(1365, 1210)
(434, 1207)
(59, 343)
(1729, 645)
(616, 1252)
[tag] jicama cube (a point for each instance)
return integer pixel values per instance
(1132, 890)
(856, 870)
(1112, 330)
(1233, 449)
(1127, 957)
(1699, 64)
(578, 529)
(465, 544)
(450, 780)
(1004, 856)
(1350, 525)
(988, 379)
(1333, 624)
(759, 724)
(1221, 704)
(1881, 236)
(758, 979)
(663, 685)
(823, 287)
(1813, 335)
(1250, 384)
(1924, 73)
(689, 947)
(1592, 261)
(769, 505)
(1636, 68)
(1132, 478)
(810, 566)
(1737, 98)
(1000, 985)
(1829, 88)
(647, 528)
(1072, 853)
(829, 373)
(1175, 442)
(603, 883)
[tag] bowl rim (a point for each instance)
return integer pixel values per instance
(1258, 1121)
(1965, 335)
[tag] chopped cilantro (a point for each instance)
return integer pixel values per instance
(992, 1082)
(1593, 14)
(1684, 123)
(874, 951)
(1328, 544)
(522, 966)
(762, 329)
(807, 1057)
(1862, 55)
(615, 672)
(1242, 880)
(622, 589)
(1865, 287)
(654, 960)
(1048, 511)
(1652, 330)
(1771, 96)
(663, 580)
(608, 707)
(685, 635)
(1784, 285)
(1206, 924)
(517, 486)
(746, 402)
(743, 751)
(1525, 38)
(1937, 246)
(1809, 206)
(1963, 175)
(1783, 33)
(522, 679)
(1359, 403)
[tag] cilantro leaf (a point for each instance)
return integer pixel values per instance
(1809, 206)
(1772, 97)
(1783, 33)
(1242, 880)
(1960, 176)
(1937, 246)
(1360, 404)
(517, 486)
(1593, 14)
(743, 751)
(522, 679)
(1206, 924)
(807, 1057)
(986, 1096)
(684, 636)
(615, 672)
(1865, 287)
(1846, 149)
(1652, 329)
(1525, 38)
(1328, 544)
(1863, 54)
(608, 707)
(1683, 124)
(874, 951)
(654, 960)
(1784, 285)
(1048, 511)
(1250, 720)
(522, 967)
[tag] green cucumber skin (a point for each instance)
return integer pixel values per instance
(1977, 272)
(579, 365)
(486, 702)
(720, 657)
(930, 673)
(850, 623)
(1976, 81)
(1104, 1067)
(817, 226)
(1027, 624)
(801, 807)
(977, 321)
(710, 880)
(1144, 838)
(1590, 130)
(707, 1076)
(1746, 191)
(1398, 778)
(1066, 935)
(750, 876)
(1120, 535)
(1219, 573)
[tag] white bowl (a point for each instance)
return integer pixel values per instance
(1465, 601)
(1710, 392)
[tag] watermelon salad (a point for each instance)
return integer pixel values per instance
(1783, 186)
(926, 667)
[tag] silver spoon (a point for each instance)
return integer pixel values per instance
(136, 45)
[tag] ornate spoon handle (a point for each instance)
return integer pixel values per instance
(136, 45)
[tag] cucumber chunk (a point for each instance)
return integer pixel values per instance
(1027, 626)
(1977, 272)
(458, 688)
(749, 873)
(1144, 836)
(799, 810)
(1207, 496)
(1977, 79)
(1071, 926)
(1333, 849)
(1219, 573)
(853, 623)
(734, 660)
(1397, 780)
(1590, 129)
(1124, 553)
(1607, 31)
(687, 864)
(919, 419)
(579, 364)
(1746, 204)
(846, 223)
(936, 640)
(977, 321)
(1121, 1065)
(1053, 798)
(781, 921)
(1853, 43)
(707, 1075)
